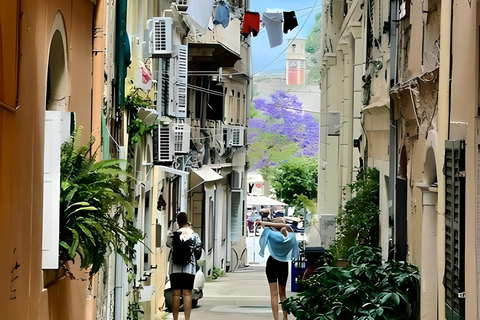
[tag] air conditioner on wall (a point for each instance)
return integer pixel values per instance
(181, 137)
(234, 136)
(163, 146)
(159, 30)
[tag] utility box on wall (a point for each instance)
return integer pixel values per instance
(327, 229)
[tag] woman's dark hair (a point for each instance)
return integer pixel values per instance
(182, 218)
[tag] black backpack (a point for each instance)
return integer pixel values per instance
(182, 250)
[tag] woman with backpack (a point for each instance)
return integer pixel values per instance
(283, 246)
(185, 247)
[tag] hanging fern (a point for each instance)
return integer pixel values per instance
(95, 213)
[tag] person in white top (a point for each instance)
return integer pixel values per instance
(182, 276)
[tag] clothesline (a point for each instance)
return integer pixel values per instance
(281, 53)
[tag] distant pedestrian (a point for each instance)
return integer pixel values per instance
(186, 246)
(283, 246)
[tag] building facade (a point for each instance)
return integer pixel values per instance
(295, 65)
(400, 93)
(76, 63)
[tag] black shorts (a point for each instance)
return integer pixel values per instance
(277, 271)
(181, 281)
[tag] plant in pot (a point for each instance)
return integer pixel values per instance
(357, 221)
(95, 212)
(367, 290)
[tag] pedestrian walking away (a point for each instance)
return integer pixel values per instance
(282, 244)
(186, 248)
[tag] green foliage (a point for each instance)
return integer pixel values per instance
(295, 178)
(313, 42)
(217, 272)
(368, 289)
(136, 128)
(134, 311)
(312, 48)
(357, 221)
(95, 214)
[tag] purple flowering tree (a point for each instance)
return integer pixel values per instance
(279, 129)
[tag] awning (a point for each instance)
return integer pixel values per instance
(204, 175)
(207, 174)
(261, 200)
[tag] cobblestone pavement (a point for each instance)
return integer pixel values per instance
(241, 295)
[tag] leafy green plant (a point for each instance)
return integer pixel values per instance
(357, 221)
(134, 311)
(95, 212)
(217, 272)
(368, 289)
(136, 128)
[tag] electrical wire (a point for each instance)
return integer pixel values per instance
(111, 137)
(281, 53)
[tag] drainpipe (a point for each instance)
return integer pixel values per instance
(393, 128)
(122, 46)
(119, 264)
(120, 72)
(444, 95)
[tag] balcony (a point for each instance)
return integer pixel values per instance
(213, 49)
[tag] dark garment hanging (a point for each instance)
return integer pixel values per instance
(289, 21)
(251, 23)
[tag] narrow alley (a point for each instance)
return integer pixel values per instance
(242, 294)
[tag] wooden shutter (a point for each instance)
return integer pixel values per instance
(401, 220)
(180, 87)
(9, 39)
(454, 229)
(58, 126)
(164, 95)
(236, 215)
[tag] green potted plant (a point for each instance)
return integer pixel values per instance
(95, 210)
(366, 290)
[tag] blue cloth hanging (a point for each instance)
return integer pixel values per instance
(222, 14)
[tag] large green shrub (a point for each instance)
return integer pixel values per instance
(368, 289)
(358, 220)
(95, 212)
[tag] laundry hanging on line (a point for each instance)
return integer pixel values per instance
(289, 21)
(273, 22)
(222, 14)
(201, 12)
(251, 23)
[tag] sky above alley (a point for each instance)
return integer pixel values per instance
(265, 58)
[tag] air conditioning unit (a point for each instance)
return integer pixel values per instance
(159, 30)
(163, 146)
(182, 5)
(234, 136)
(181, 137)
